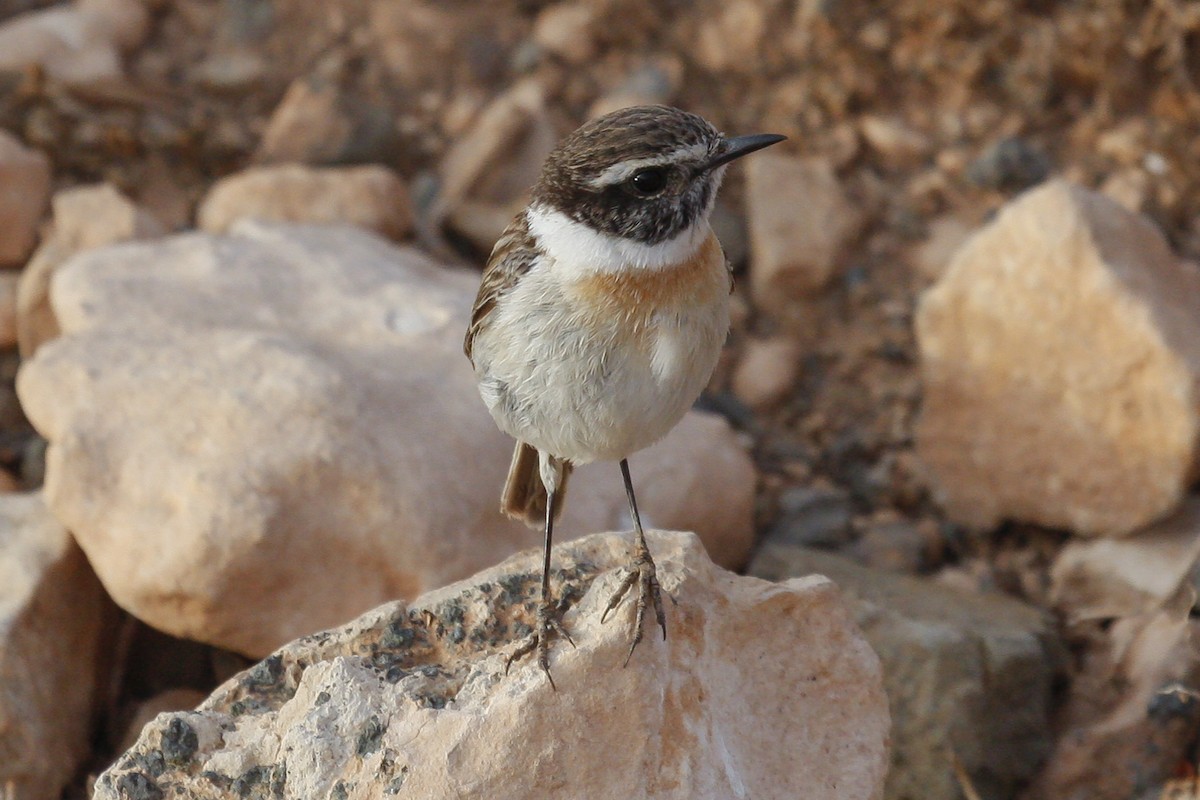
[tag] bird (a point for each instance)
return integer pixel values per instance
(600, 316)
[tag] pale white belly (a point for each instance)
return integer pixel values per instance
(588, 391)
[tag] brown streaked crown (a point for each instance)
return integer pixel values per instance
(640, 173)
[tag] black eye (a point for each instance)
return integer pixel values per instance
(649, 181)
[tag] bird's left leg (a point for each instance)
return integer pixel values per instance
(641, 573)
(552, 474)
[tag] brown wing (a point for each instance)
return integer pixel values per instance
(514, 254)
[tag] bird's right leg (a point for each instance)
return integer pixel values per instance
(552, 473)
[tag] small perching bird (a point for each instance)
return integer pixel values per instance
(600, 317)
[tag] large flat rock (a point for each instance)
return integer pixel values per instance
(257, 435)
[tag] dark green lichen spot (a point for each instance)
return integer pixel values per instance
(457, 634)
(151, 762)
(434, 701)
(453, 612)
(339, 792)
(249, 779)
(217, 779)
(396, 783)
(369, 736)
(395, 674)
(322, 698)
(397, 635)
(179, 742)
(267, 672)
(138, 786)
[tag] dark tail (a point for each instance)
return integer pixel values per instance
(524, 496)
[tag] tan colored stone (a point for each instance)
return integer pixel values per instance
(78, 43)
(371, 197)
(84, 217)
(1109, 578)
(800, 222)
(51, 616)
(760, 690)
(947, 234)
(286, 393)
(309, 125)
(1060, 356)
(24, 191)
(968, 676)
(766, 371)
(565, 30)
(8, 309)
(730, 38)
(501, 155)
(898, 144)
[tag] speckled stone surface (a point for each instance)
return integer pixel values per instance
(760, 690)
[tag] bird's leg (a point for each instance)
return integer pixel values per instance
(547, 624)
(642, 573)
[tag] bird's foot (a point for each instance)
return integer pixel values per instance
(644, 576)
(546, 627)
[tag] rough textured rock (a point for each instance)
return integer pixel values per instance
(286, 393)
(760, 690)
(1060, 356)
(84, 217)
(51, 614)
(800, 221)
(1130, 715)
(24, 190)
(1109, 578)
(372, 197)
(79, 43)
(966, 675)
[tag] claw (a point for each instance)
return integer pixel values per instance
(539, 641)
(648, 593)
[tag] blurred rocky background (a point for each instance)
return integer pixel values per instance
(238, 244)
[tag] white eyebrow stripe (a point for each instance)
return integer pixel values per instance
(620, 171)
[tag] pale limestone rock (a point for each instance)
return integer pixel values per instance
(760, 690)
(1108, 578)
(162, 703)
(1060, 355)
(293, 405)
(766, 371)
(84, 217)
(24, 191)
(967, 676)
(51, 616)
(77, 43)
(800, 222)
(371, 197)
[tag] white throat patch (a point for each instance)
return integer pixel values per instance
(578, 248)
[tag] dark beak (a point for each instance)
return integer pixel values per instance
(739, 146)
